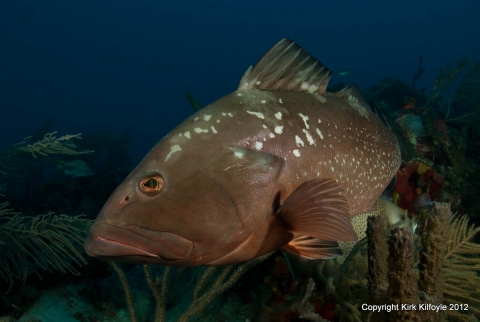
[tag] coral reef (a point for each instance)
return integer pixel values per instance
(395, 217)
(445, 276)
(390, 95)
(417, 185)
(412, 126)
(442, 131)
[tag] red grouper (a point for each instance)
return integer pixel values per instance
(280, 163)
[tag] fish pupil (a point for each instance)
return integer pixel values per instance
(151, 183)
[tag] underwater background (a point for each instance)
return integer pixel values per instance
(118, 73)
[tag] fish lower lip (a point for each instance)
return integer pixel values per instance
(113, 241)
(115, 248)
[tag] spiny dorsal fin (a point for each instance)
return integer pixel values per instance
(287, 67)
(355, 98)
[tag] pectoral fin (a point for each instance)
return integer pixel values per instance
(313, 248)
(317, 209)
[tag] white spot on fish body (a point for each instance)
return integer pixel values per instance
(299, 141)
(218, 121)
(206, 117)
(279, 129)
(319, 133)
(258, 145)
(187, 134)
(230, 114)
(173, 149)
(319, 121)
(214, 130)
(272, 135)
(309, 137)
(238, 94)
(257, 114)
(296, 153)
(238, 154)
(224, 114)
(257, 83)
(195, 119)
(200, 130)
(305, 119)
(280, 101)
(278, 115)
(263, 101)
(264, 126)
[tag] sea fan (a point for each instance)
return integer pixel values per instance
(13, 159)
(460, 266)
(467, 97)
(49, 241)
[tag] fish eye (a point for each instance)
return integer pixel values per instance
(152, 184)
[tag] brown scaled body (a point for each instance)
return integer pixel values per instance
(278, 164)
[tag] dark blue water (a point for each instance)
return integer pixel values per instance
(113, 65)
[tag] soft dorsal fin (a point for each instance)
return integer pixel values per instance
(287, 67)
(355, 98)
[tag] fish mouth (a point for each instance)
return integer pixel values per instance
(136, 244)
